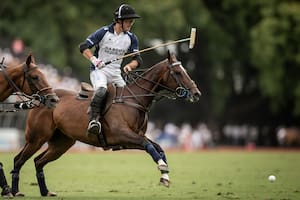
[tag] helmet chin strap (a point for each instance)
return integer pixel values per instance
(121, 22)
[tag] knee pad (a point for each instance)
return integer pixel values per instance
(101, 92)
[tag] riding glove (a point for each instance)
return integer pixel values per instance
(97, 62)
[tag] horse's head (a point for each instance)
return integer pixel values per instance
(35, 83)
(177, 78)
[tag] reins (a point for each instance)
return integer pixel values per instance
(170, 93)
(24, 104)
(156, 84)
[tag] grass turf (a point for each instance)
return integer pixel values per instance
(197, 175)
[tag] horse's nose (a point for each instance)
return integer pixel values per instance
(55, 99)
(51, 101)
(197, 96)
(198, 93)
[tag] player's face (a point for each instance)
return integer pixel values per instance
(127, 24)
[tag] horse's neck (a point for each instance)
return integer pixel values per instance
(5, 91)
(5, 88)
(144, 87)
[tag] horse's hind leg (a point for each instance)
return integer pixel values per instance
(28, 150)
(57, 146)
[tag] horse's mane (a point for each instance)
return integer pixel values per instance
(154, 66)
(13, 66)
(138, 73)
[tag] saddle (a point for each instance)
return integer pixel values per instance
(87, 91)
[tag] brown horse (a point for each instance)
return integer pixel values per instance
(26, 79)
(123, 125)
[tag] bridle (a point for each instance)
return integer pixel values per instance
(181, 91)
(31, 84)
(31, 100)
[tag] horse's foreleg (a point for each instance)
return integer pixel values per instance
(19, 160)
(160, 150)
(164, 170)
(6, 192)
(58, 145)
(159, 157)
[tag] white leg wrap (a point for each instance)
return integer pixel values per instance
(161, 162)
(165, 176)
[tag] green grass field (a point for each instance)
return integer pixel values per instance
(133, 175)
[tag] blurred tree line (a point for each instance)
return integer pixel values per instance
(246, 60)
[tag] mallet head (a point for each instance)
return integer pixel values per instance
(192, 38)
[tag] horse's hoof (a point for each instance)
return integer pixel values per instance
(19, 194)
(164, 182)
(8, 195)
(163, 168)
(6, 192)
(51, 194)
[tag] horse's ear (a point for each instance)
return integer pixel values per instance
(30, 59)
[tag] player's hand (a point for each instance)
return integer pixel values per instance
(98, 63)
(127, 68)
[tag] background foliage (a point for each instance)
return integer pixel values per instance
(246, 60)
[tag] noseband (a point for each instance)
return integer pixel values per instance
(182, 90)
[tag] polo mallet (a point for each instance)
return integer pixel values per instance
(192, 39)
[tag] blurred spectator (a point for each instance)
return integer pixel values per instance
(196, 140)
(17, 48)
(184, 137)
(152, 131)
(168, 137)
(201, 137)
(289, 137)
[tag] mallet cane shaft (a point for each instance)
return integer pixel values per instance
(191, 45)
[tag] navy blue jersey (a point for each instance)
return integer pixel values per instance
(109, 45)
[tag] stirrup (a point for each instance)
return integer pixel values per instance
(94, 127)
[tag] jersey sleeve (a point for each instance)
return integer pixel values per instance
(96, 37)
(134, 47)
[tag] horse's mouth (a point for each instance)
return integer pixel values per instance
(51, 101)
(193, 97)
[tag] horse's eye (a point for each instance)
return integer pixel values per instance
(35, 77)
(177, 72)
